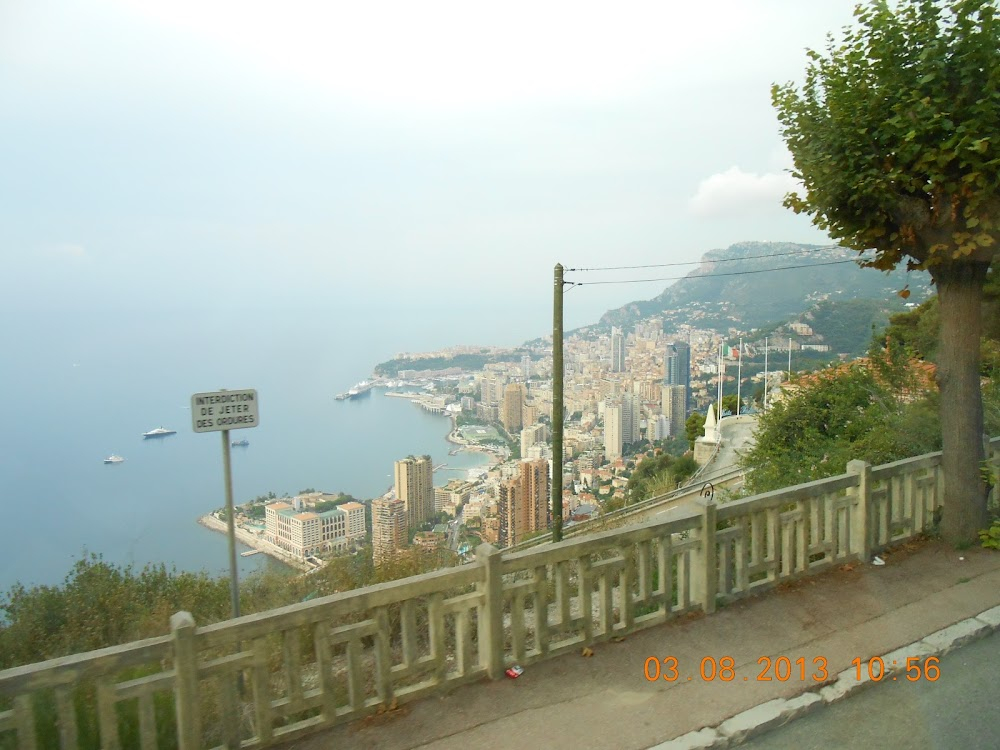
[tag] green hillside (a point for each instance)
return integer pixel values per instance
(746, 291)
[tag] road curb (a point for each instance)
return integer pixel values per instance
(775, 713)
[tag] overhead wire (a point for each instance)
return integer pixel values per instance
(693, 262)
(709, 275)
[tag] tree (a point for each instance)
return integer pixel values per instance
(694, 428)
(843, 413)
(894, 139)
(731, 404)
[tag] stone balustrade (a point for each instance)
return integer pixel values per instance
(273, 676)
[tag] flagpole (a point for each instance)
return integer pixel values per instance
(739, 381)
(765, 374)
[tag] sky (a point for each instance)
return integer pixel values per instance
(430, 156)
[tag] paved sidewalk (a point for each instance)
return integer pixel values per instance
(605, 701)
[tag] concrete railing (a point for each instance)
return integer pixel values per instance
(269, 677)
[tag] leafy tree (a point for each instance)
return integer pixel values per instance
(894, 138)
(694, 428)
(917, 330)
(841, 414)
(659, 475)
(731, 404)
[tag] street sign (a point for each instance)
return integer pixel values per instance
(224, 410)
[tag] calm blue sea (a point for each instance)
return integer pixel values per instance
(77, 388)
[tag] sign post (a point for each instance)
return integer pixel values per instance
(222, 411)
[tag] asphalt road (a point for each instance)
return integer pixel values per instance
(957, 711)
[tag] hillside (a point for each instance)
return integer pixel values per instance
(745, 292)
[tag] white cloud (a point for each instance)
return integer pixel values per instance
(735, 192)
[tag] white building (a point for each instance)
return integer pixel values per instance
(306, 532)
(613, 430)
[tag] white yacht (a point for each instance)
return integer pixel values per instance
(159, 432)
(113, 459)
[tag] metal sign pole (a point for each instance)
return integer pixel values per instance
(234, 585)
(218, 411)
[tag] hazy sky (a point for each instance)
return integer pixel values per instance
(425, 154)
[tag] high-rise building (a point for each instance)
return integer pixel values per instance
(631, 417)
(513, 404)
(617, 350)
(660, 427)
(613, 430)
(523, 503)
(531, 435)
(677, 366)
(415, 488)
(674, 407)
(491, 389)
(536, 489)
(526, 367)
(388, 527)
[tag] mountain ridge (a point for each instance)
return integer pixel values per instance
(767, 283)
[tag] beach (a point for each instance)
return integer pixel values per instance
(253, 541)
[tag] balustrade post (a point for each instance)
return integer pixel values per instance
(491, 653)
(861, 513)
(186, 681)
(706, 581)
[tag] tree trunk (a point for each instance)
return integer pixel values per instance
(960, 294)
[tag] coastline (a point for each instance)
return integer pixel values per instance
(252, 541)
(255, 542)
(453, 434)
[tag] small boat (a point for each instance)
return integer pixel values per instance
(113, 459)
(159, 432)
(240, 443)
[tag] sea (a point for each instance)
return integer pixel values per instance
(76, 388)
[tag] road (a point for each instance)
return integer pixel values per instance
(956, 711)
(737, 436)
(454, 529)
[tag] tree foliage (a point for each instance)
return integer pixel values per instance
(894, 139)
(102, 604)
(658, 475)
(843, 414)
(894, 133)
(694, 428)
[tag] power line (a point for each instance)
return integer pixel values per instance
(710, 275)
(691, 263)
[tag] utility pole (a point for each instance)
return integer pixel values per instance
(557, 403)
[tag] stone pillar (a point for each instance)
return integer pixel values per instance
(491, 653)
(861, 541)
(186, 681)
(705, 580)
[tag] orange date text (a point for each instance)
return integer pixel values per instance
(723, 669)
